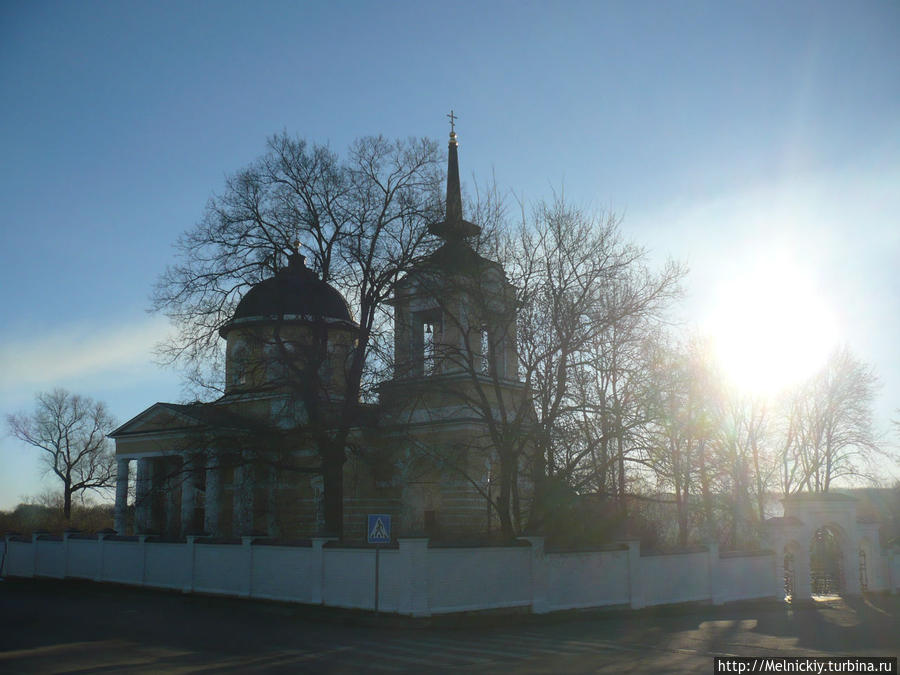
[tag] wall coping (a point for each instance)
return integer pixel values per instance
(745, 554)
(603, 548)
(359, 545)
(680, 551)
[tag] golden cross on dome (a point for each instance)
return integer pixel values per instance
(453, 119)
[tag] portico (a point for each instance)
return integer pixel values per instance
(180, 494)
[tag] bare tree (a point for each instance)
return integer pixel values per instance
(719, 453)
(682, 439)
(588, 301)
(561, 264)
(615, 376)
(830, 427)
(70, 430)
(746, 463)
(362, 217)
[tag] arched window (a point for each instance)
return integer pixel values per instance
(240, 362)
(426, 337)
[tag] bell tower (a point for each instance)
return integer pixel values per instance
(455, 312)
(455, 379)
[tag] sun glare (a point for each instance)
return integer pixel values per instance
(771, 326)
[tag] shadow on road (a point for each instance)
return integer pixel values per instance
(48, 626)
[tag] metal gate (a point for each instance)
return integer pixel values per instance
(789, 574)
(863, 571)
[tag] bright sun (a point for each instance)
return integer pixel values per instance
(771, 326)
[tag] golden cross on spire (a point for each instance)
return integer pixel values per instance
(453, 119)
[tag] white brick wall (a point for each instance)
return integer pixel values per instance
(413, 579)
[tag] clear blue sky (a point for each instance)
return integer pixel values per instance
(715, 128)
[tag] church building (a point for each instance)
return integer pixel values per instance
(430, 452)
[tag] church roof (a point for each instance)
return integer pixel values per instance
(458, 256)
(296, 293)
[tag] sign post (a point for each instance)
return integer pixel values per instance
(378, 532)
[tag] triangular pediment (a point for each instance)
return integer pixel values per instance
(156, 418)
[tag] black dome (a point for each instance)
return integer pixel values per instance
(294, 293)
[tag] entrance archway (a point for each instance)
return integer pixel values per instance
(826, 561)
(823, 548)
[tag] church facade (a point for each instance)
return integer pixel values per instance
(433, 452)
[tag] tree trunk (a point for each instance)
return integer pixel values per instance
(503, 503)
(333, 479)
(682, 517)
(760, 491)
(516, 506)
(539, 478)
(736, 513)
(67, 502)
(708, 520)
(620, 452)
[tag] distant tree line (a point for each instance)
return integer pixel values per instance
(45, 513)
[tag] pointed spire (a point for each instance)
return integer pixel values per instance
(453, 228)
(454, 193)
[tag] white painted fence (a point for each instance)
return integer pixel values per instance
(414, 578)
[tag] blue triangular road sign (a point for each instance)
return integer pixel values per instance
(379, 529)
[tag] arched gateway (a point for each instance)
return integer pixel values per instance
(823, 548)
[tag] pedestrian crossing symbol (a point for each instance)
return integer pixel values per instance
(379, 529)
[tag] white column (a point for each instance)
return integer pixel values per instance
(121, 494)
(851, 569)
(413, 566)
(802, 585)
(247, 544)
(893, 569)
(243, 496)
(539, 604)
(100, 551)
(188, 494)
(635, 581)
(213, 496)
(192, 560)
(143, 503)
(173, 515)
(272, 502)
(715, 589)
(776, 543)
(317, 581)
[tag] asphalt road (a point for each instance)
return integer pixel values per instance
(67, 627)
